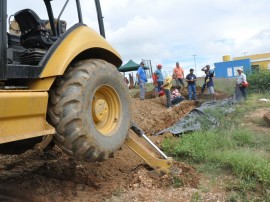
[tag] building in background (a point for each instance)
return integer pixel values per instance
(228, 68)
(258, 61)
(249, 63)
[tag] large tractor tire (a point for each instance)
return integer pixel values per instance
(89, 108)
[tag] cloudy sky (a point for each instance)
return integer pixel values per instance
(166, 31)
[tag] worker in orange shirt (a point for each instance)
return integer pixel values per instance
(179, 76)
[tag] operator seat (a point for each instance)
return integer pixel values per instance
(34, 34)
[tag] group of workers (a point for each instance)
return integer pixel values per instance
(163, 86)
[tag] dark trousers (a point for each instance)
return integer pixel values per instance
(243, 92)
(177, 100)
(192, 91)
(203, 87)
(168, 96)
(160, 83)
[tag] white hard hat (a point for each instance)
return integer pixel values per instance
(240, 69)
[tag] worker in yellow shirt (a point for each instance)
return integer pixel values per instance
(167, 89)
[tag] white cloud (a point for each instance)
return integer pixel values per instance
(175, 30)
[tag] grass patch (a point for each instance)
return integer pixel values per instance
(196, 197)
(232, 151)
(259, 82)
(219, 84)
(228, 88)
(230, 147)
(245, 164)
(239, 191)
(259, 121)
(177, 182)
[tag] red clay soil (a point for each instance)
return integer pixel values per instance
(53, 176)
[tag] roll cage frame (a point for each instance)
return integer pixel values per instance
(19, 71)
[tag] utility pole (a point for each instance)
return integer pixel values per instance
(195, 63)
(244, 53)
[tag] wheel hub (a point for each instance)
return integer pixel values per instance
(100, 110)
(106, 110)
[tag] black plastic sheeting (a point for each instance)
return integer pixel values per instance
(204, 116)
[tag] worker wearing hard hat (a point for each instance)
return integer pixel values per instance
(241, 82)
(159, 75)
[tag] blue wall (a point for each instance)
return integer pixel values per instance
(229, 69)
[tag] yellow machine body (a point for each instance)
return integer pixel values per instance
(23, 115)
(23, 112)
(80, 40)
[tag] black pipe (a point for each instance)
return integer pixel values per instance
(100, 19)
(3, 39)
(79, 11)
(58, 19)
(51, 17)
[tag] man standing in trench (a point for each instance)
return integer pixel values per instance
(191, 79)
(141, 75)
(159, 75)
(167, 89)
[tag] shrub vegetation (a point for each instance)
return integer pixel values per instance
(259, 81)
